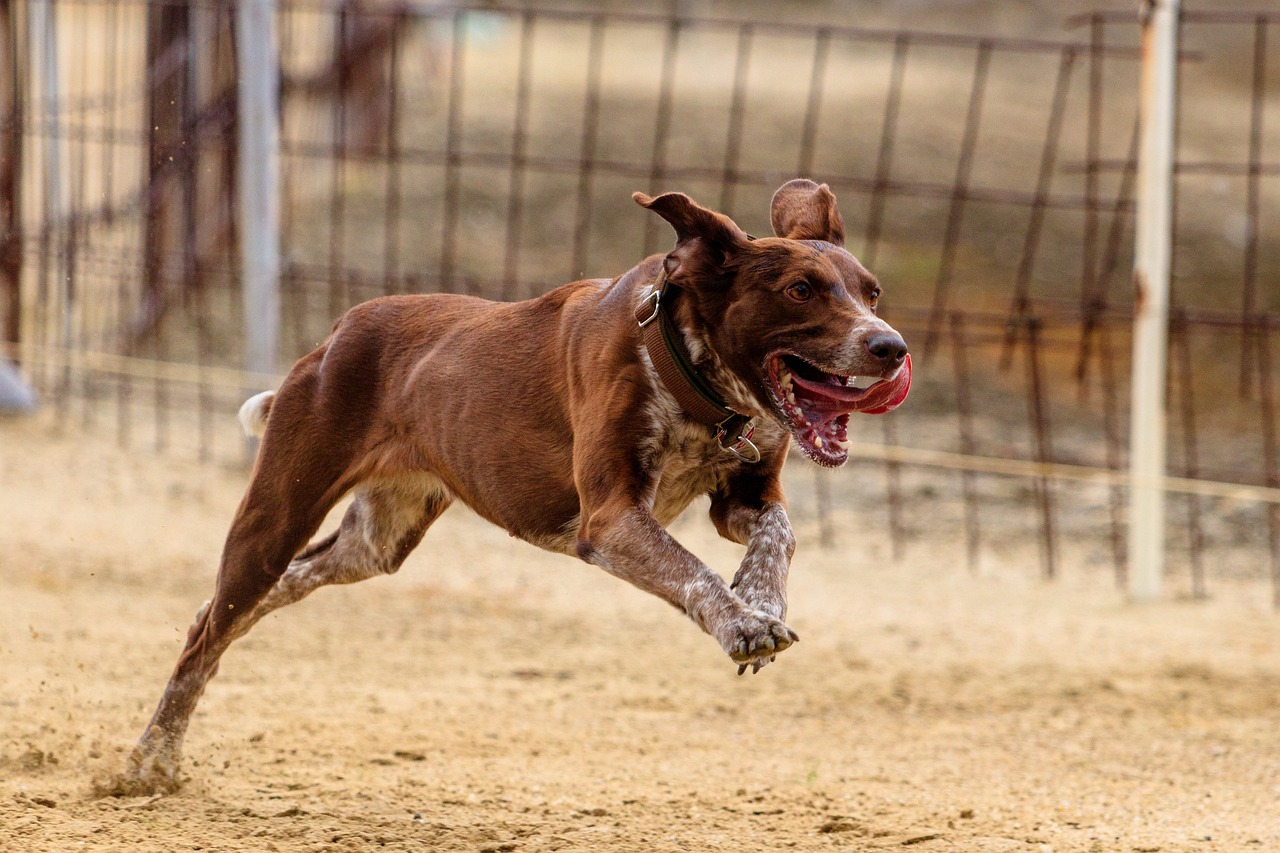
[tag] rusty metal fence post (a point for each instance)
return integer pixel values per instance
(10, 177)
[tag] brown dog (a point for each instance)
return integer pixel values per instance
(583, 421)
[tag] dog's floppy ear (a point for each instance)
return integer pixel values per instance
(705, 240)
(803, 210)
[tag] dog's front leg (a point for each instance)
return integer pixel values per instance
(761, 579)
(627, 541)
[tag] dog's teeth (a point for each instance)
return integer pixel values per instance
(843, 445)
(817, 441)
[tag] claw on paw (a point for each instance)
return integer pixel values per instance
(759, 641)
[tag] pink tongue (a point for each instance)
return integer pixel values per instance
(886, 396)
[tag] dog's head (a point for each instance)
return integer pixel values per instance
(793, 316)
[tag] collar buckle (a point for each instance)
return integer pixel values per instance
(656, 298)
(742, 447)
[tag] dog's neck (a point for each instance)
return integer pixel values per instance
(734, 391)
(688, 368)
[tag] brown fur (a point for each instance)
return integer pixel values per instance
(547, 419)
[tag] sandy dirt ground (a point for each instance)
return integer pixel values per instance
(491, 697)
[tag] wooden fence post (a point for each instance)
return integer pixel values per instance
(259, 183)
(1152, 262)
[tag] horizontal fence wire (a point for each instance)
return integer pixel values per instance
(238, 380)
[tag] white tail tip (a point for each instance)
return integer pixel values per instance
(253, 414)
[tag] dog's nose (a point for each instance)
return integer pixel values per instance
(888, 347)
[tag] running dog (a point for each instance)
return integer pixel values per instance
(583, 421)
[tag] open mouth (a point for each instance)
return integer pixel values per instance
(815, 404)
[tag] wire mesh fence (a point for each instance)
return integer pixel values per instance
(468, 147)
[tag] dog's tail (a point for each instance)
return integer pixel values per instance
(253, 414)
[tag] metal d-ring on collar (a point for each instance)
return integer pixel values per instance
(743, 448)
(733, 430)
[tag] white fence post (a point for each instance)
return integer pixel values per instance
(1152, 255)
(259, 182)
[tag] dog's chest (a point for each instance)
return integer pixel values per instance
(684, 457)
(687, 469)
(690, 463)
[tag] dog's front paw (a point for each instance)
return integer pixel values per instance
(756, 639)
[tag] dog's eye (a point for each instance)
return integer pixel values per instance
(801, 291)
(873, 297)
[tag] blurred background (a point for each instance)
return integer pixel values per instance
(984, 156)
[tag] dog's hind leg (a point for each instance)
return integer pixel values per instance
(386, 520)
(301, 472)
(384, 523)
